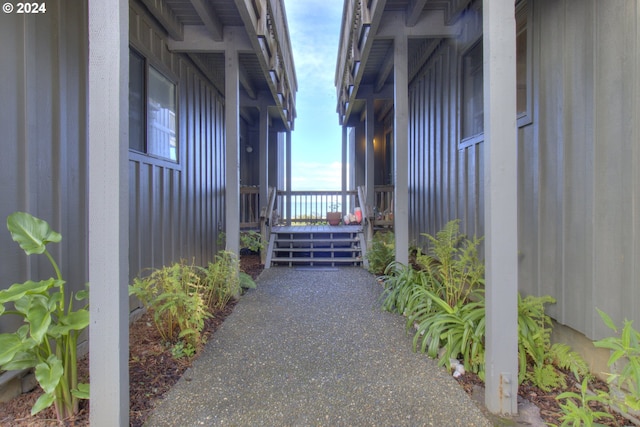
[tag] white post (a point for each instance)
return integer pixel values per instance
(401, 148)
(109, 211)
(232, 131)
(501, 219)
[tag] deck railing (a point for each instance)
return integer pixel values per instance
(311, 207)
(249, 207)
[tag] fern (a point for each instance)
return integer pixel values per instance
(565, 358)
(381, 253)
(546, 377)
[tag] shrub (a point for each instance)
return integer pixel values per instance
(48, 340)
(251, 240)
(626, 348)
(382, 252)
(173, 296)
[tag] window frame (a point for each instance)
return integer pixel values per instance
(145, 155)
(523, 16)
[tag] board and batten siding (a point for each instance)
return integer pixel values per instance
(43, 117)
(578, 161)
(177, 209)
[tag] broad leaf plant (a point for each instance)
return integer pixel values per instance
(47, 341)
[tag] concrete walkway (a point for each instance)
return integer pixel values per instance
(311, 347)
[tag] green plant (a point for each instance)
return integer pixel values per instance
(174, 297)
(624, 348)
(48, 340)
(577, 411)
(182, 349)
(453, 263)
(382, 252)
(251, 240)
(221, 280)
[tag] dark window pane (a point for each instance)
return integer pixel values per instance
(472, 92)
(136, 102)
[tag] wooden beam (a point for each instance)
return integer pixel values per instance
(431, 24)
(383, 74)
(414, 10)
(208, 17)
(108, 169)
(198, 39)
(165, 16)
(501, 206)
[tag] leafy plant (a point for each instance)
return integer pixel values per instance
(625, 348)
(182, 349)
(173, 295)
(453, 263)
(382, 252)
(221, 280)
(251, 240)
(49, 338)
(577, 411)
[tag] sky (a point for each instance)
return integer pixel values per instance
(314, 29)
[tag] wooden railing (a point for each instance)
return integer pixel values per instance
(383, 206)
(311, 207)
(249, 208)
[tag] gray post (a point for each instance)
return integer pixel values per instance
(501, 219)
(400, 146)
(288, 172)
(344, 171)
(109, 211)
(232, 131)
(264, 152)
(369, 171)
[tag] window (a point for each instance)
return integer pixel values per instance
(472, 117)
(523, 63)
(472, 102)
(152, 111)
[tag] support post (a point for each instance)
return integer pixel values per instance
(345, 209)
(264, 153)
(501, 218)
(400, 146)
(370, 126)
(288, 169)
(109, 211)
(232, 131)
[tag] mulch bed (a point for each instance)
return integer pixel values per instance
(153, 371)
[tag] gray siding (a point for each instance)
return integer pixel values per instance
(44, 132)
(578, 162)
(176, 209)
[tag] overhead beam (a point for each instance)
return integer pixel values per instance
(383, 74)
(198, 39)
(209, 19)
(431, 23)
(245, 81)
(164, 14)
(414, 10)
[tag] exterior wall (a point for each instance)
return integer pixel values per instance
(445, 181)
(44, 138)
(177, 209)
(578, 161)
